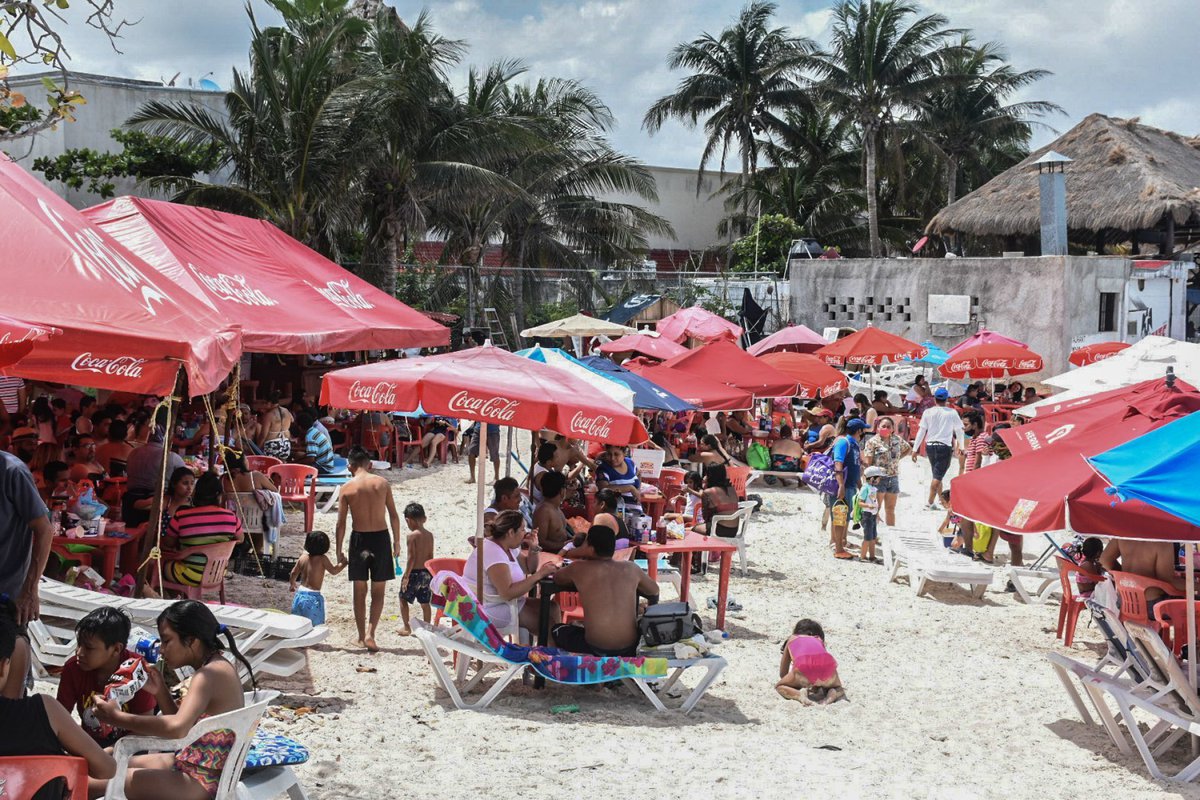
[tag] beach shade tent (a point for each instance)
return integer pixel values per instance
(485, 385)
(814, 376)
(607, 386)
(1091, 353)
(1053, 488)
(704, 393)
(935, 356)
(1144, 360)
(870, 347)
(697, 323)
(287, 298)
(984, 336)
(645, 343)
(17, 338)
(577, 325)
(792, 339)
(646, 394)
(124, 326)
(990, 361)
(724, 361)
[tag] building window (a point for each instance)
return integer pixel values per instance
(1108, 312)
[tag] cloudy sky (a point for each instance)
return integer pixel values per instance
(1118, 57)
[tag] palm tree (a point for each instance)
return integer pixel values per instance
(880, 65)
(739, 81)
(968, 120)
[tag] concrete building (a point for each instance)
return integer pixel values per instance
(1052, 303)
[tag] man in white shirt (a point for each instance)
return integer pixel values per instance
(941, 431)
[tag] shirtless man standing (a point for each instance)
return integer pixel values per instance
(608, 591)
(548, 517)
(274, 434)
(368, 499)
(1148, 559)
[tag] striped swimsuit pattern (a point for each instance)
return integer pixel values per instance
(194, 527)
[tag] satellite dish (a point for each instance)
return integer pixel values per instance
(208, 86)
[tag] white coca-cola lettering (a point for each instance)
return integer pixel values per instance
(233, 288)
(381, 394)
(598, 427)
(121, 366)
(959, 366)
(8, 338)
(94, 258)
(497, 408)
(1029, 363)
(340, 294)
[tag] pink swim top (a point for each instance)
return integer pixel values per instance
(811, 659)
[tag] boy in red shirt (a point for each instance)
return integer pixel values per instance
(100, 650)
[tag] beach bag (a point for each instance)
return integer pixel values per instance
(667, 623)
(983, 537)
(820, 473)
(758, 456)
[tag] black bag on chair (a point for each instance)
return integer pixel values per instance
(667, 623)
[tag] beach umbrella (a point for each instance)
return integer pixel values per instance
(486, 385)
(724, 361)
(935, 356)
(577, 325)
(703, 393)
(984, 336)
(815, 377)
(606, 385)
(991, 361)
(870, 347)
(1091, 353)
(17, 338)
(646, 394)
(644, 343)
(792, 339)
(697, 323)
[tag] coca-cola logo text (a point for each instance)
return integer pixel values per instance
(496, 408)
(121, 366)
(597, 427)
(233, 288)
(340, 294)
(380, 395)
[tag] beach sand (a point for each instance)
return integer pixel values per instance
(949, 697)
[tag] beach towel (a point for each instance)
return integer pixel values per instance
(272, 505)
(549, 662)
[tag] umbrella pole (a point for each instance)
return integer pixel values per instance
(508, 455)
(480, 504)
(1189, 551)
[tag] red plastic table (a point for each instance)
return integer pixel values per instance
(694, 543)
(110, 548)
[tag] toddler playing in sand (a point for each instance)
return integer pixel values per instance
(807, 672)
(310, 572)
(414, 586)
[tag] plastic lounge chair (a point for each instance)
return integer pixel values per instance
(1072, 602)
(489, 648)
(1024, 578)
(217, 557)
(242, 722)
(927, 561)
(22, 776)
(742, 518)
(298, 484)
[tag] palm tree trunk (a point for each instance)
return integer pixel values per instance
(872, 192)
(391, 262)
(951, 179)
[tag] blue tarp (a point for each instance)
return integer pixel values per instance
(1158, 468)
(623, 312)
(646, 394)
(936, 355)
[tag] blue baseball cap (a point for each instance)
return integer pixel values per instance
(941, 394)
(857, 424)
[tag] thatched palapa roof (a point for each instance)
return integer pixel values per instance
(1125, 177)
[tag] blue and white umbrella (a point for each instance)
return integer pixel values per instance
(606, 385)
(646, 394)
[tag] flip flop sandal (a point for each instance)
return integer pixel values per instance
(844, 556)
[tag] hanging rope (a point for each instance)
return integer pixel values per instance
(155, 553)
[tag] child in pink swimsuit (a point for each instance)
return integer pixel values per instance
(807, 672)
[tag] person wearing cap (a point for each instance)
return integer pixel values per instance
(848, 469)
(23, 443)
(820, 429)
(941, 431)
(868, 504)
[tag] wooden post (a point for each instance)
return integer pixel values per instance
(153, 535)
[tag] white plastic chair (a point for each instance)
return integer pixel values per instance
(242, 722)
(742, 518)
(252, 517)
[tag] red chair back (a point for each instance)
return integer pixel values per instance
(1065, 569)
(22, 776)
(261, 463)
(1131, 589)
(1172, 616)
(670, 482)
(737, 478)
(295, 481)
(455, 565)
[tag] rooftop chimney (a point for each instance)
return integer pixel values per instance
(1052, 188)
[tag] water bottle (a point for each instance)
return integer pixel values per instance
(643, 528)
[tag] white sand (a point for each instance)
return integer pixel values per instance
(950, 697)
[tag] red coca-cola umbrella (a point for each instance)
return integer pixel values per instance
(1053, 488)
(991, 361)
(792, 339)
(1072, 418)
(984, 336)
(17, 338)
(1091, 353)
(726, 362)
(645, 345)
(816, 378)
(871, 347)
(704, 393)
